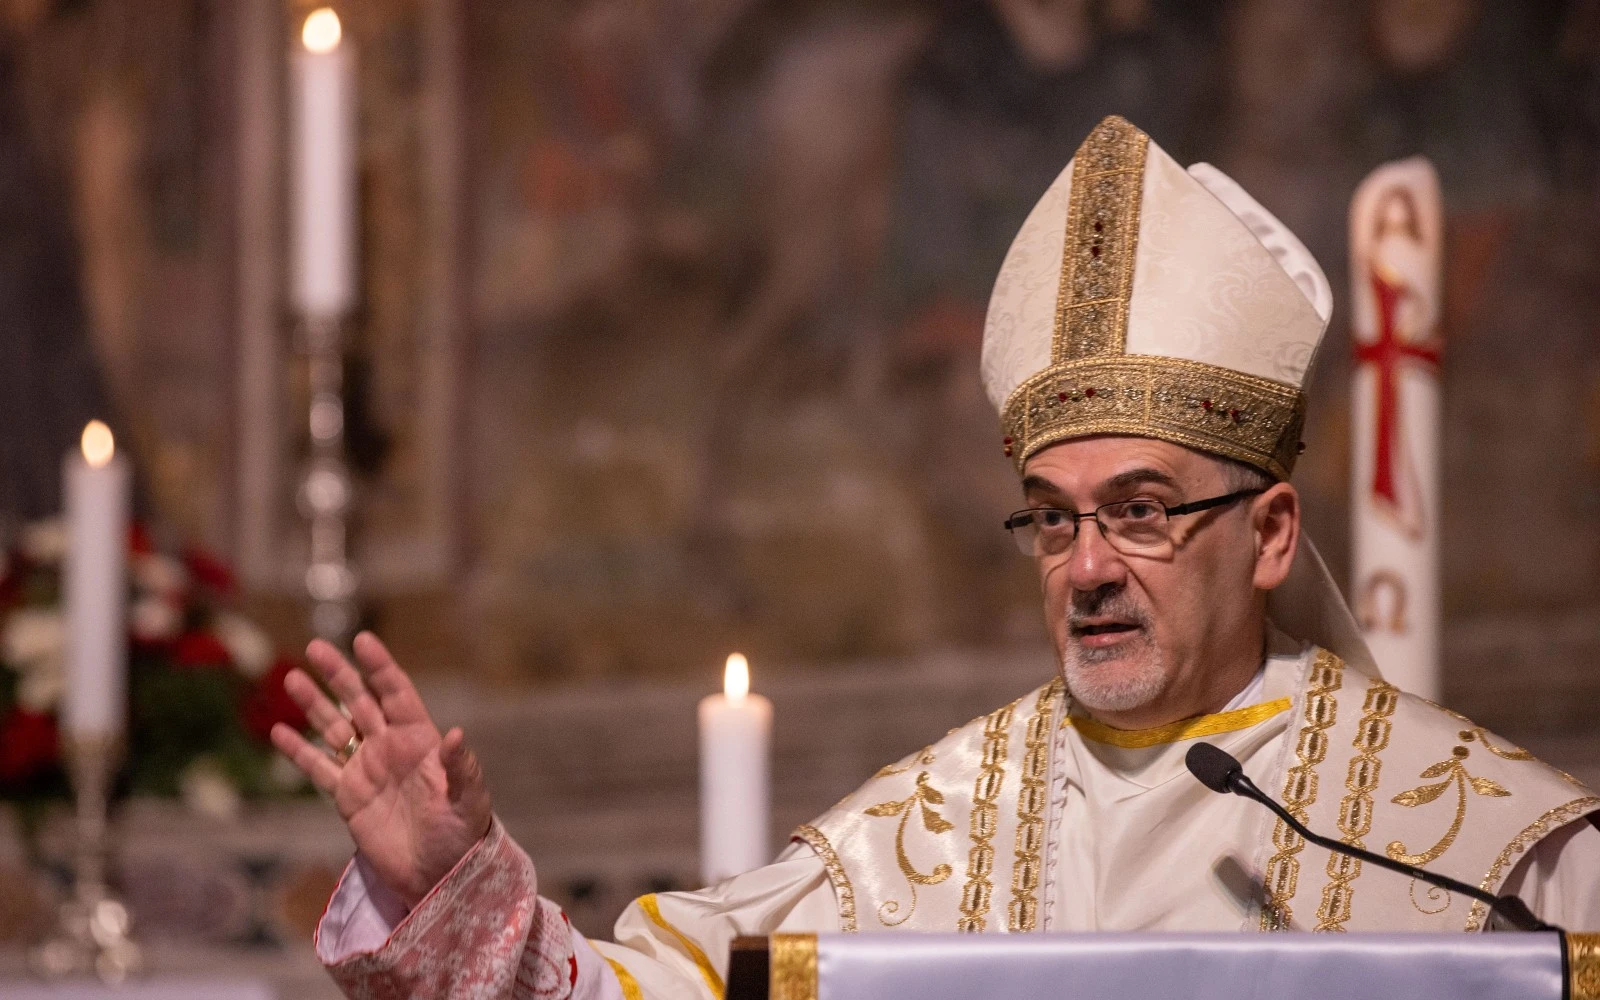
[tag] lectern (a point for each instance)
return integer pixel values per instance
(1509, 966)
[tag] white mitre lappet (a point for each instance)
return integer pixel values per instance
(1141, 298)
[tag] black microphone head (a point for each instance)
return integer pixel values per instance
(1216, 768)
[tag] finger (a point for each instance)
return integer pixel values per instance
(401, 703)
(467, 789)
(321, 713)
(316, 765)
(345, 682)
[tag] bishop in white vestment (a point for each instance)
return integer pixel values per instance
(1147, 344)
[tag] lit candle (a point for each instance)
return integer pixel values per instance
(95, 482)
(735, 740)
(324, 174)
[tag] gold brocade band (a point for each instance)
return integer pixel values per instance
(1583, 966)
(1100, 243)
(793, 968)
(1253, 420)
(1188, 729)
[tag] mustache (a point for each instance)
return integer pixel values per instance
(1116, 604)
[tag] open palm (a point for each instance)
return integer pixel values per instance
(415, 801)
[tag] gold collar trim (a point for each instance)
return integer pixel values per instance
(1188, 729)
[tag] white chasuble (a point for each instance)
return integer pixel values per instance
(1036, 817)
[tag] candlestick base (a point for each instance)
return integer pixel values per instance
(93, 933)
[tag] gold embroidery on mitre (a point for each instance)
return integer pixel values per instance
(921, 800)
(844, 893)
(1101, 242)
(979, 890)
(1355, 810)
(1300, 789)
(1023, 914)
(1251, 419)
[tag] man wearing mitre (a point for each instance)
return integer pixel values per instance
(1147, 344)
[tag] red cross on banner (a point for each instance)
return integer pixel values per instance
(1387, 354)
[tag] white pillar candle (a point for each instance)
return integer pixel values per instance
(324, 169)
(735, 799)
(1396, 235)
(95, 482)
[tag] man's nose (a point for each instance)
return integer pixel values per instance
(1093, 563)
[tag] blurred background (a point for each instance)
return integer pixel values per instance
(667, 345)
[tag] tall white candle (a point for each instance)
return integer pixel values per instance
(95, 483)
(324, 169)
(735, 797)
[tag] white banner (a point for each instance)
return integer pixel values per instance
(1396, 231)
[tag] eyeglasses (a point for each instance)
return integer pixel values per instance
(1129, 525)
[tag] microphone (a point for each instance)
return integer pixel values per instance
(1219, 771)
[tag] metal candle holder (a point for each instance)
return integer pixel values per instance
(325, 490)
(93, 929)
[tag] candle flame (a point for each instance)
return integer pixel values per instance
(736, 677)
(98, 444)
(322, 31)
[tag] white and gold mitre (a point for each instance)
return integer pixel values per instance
(1142, 298)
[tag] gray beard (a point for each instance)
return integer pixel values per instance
(1101, 688)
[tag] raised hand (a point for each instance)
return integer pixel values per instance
(415, 802)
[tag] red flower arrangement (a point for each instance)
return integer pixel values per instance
(205, 683)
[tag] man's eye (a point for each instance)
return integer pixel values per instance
(1050, 518)
(1140, 510)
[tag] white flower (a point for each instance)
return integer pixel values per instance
(33, 636)
(154, 619)
(44, 541)
(160, 575)
(207, 791)
(248, 646)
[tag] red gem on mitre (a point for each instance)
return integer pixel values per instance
(1205, 403)
(1234, 414)
(1006, 441)
(1089, 392)
(1061, 396)
(1008, 452)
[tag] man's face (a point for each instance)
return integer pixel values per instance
(1144, 636)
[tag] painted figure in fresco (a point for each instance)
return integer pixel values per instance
(1146, 346)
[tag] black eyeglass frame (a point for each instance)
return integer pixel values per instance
(1192, 507)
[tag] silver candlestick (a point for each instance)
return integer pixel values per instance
(93, 933)
(325, 491)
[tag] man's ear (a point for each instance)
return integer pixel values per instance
(1275, 517)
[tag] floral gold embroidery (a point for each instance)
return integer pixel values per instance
(844, 893)
(1300, 788)
(1355, 810)
(922, 758)
(979, 890)
(1481, 735)
(1554, 819)
(920, 801)
(1023, 914)
(1454, 772)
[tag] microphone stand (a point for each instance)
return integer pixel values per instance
(1512, 909)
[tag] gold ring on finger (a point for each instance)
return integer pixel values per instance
(349, 749)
